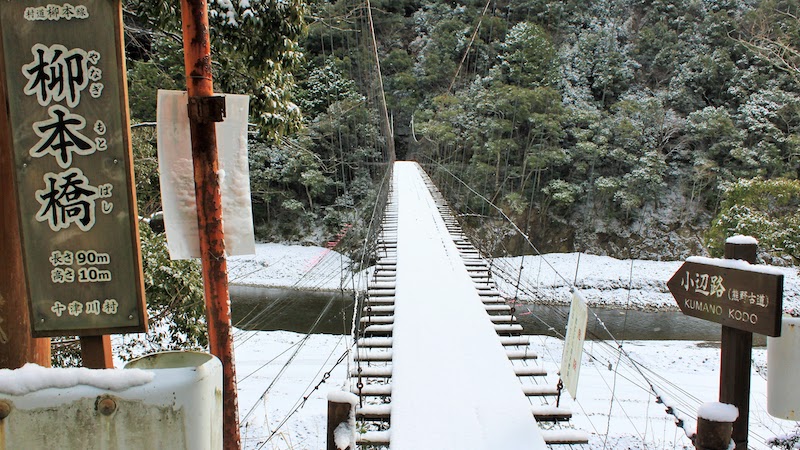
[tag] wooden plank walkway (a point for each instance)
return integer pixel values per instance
(434, 360)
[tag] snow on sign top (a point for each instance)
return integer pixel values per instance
(735, 264)
(742, 240)
(731, 292)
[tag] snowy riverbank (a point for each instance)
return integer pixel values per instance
(291, 266)
(602, 280)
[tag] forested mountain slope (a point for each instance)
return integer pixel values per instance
(613, 127)
(633, 128)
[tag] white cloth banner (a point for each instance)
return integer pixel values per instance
(177, 176)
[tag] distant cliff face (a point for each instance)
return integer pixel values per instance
(667, 233)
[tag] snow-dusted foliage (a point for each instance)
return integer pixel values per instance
(175, 307)
(266, 33)
(528, 56)
(604, 125)
(766, 210)
(597, 63)
(608, 126)
(254, 47)
(175, 302)
(789, 441)
(327, 85)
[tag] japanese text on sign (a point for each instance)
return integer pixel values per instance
(713, 286)
(55, 12)
(736, 295)
(63, 69)
(57, 74)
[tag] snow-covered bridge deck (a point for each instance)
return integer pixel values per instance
(452, 383)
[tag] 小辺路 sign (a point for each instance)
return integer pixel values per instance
(64, 80)
(749, 300)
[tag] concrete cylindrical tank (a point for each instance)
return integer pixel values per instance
(783, 365)
(175, 404)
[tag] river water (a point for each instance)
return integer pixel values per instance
(269, 309)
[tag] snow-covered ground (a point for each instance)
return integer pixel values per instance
(632, 395)
(294, 266)
(604, 281)
(614, 402)
(686, 372)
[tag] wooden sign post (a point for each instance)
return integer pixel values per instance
(745, 300)
(737, 353)
(63, 82)
(17, 345)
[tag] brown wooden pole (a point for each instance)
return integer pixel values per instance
(197, 57)
(735, 356)
(712, 435)
(17, 346)
(96, 352)
(338, 413)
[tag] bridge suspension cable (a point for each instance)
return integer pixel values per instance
(469, 46)
(387, 126)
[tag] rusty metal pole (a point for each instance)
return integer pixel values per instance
(17, 345)
(202, 112)
(736, 354)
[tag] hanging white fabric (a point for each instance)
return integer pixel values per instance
(177, 176)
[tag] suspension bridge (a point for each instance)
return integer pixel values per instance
(440, 361)
(437, 359)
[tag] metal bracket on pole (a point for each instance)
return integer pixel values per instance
(560, 387)
(207, 109)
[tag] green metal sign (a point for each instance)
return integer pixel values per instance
(64, 81)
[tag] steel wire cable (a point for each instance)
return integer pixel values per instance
(345, 356)
(300, 403)
(291, 358)
(612, 392)
(617, 354)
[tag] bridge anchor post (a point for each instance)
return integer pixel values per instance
(715, 426)
(341, 421)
